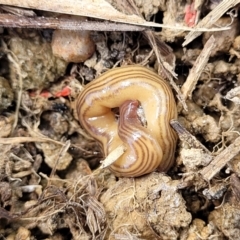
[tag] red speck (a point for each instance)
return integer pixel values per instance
(190, 15)
(66, 91)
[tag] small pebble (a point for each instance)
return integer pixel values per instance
(72, 46)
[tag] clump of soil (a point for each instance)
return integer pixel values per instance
(50, 183)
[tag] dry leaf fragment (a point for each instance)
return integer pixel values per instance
(89, 8)
(96, 9)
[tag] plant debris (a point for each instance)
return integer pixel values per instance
(52, 185)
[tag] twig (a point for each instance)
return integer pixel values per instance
(197, 69)
(221, 160)
(7, 20)
(187, 137)
(164, 54)
(211, 18)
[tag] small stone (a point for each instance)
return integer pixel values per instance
(72, 46)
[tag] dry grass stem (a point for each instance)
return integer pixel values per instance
(63, 151)
(13, 21)
(18, 11)
(221, 160)
(14, 59)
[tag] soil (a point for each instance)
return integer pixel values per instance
(51, 186)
